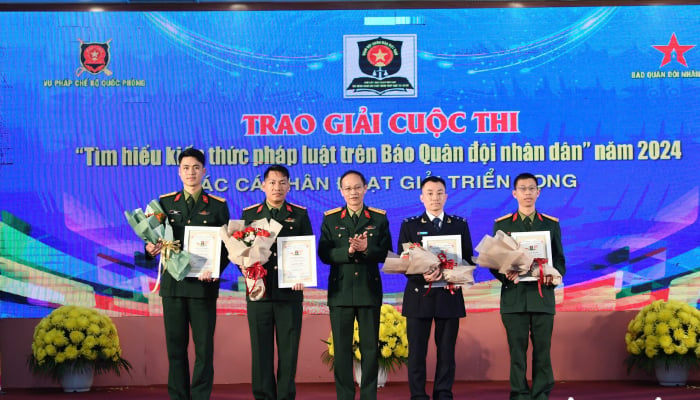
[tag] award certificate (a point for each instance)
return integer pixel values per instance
(296, 261)
(538, 244)
(204, 245)
(451, 245)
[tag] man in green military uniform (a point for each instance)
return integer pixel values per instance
(190, 302)
(354, 239)
(527, 305)
(279, 311)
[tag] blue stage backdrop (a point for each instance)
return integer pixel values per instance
(600, 103)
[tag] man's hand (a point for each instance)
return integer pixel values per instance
(298, 286)
(512, 275)
(154, 249)
(433, 276)
(206, 276)
(358, 243)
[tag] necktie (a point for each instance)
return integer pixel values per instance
(355, 218)
(528, 223)
(274, 213)
(436, 223)
(190, 203)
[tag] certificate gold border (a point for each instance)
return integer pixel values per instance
(213, 258)
(310, 242)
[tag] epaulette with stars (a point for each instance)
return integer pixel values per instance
(499, 219)
(333, 211)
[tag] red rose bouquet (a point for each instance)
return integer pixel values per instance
(249, 248)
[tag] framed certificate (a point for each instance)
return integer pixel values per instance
(451, 245)
(538, 244)
(296, 261)
(204, 245)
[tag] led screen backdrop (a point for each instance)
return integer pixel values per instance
(600, 103)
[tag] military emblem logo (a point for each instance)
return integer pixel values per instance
(380, 66)
(94, 58)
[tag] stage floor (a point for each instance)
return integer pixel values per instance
(581, 390)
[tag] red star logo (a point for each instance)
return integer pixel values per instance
(672, 47)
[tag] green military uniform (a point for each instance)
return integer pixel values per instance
(279, 310)
(524, 311)
(191, 302)
(354, 291)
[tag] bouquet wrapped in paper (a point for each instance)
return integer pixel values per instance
(249, 248)
(417, 260)
(543, 269)
(152, 226)
(502, 253)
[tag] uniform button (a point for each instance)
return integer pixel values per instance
(357, 261)
(371, 234)
(357, 273)
(275, 267)
(172, 220)
(205, 221)
(339, 235)
(291, 227)
(274, 254)
(188, 221)
(415, 290)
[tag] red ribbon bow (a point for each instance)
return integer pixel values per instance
(540, 264)
(444, 264)
(257, 271)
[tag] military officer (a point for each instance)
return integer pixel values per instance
(524, 311)
(191, 302)
(422, 303)
(280, 310)
(354, 239)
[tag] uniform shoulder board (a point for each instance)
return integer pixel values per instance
(377, 210)
(221, 199)
(333, 211)
(456, 217)
(409, 219)
(297, 206)
(555, 219)
(249, 207)
(168, 194)
(499, 219)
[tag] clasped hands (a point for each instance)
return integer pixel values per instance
(358, 243)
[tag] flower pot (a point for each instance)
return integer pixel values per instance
(672, 374)
(381, 374)
(77, 379)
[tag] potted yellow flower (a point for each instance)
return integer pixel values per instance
(76, 339)
(664, 337)
(393, 343)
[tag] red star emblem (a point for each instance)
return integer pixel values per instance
(670, 48)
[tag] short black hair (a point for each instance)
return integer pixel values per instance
(191, 152)
(352, 171)
(524, 176)
(276, 168)
(433, 179)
